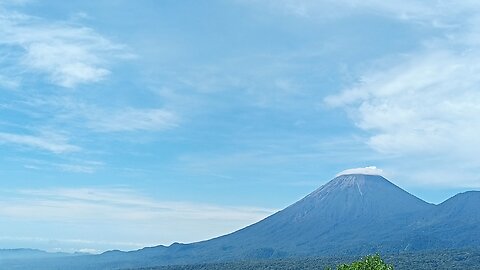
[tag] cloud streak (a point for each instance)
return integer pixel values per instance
(51, 142)
(131, 119)
(436, 13)
(69, 55)
(95, 118)
(139, 218)
(118, 204)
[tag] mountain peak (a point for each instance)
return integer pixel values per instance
(359, 178)
(362, 195)
(370, 170)
(470, 193)
(462, 200)
(357, 181)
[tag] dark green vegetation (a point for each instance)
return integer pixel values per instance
(367, 263)
(439, 260)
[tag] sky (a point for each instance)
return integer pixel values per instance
(126, 124)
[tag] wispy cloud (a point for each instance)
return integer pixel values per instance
(139, 218)
(370, 170)
(78, 168)
(118, 204)
(95, 118)
(55, 143)
(420, 104)
(131, 119)
(66, 242)
(67, 165)
(8, 83)
(68, 54)
(429, 12)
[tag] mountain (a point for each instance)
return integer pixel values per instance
(463, 208)
(454, 223)
(352, 214)
(26, 253)
(24, 258)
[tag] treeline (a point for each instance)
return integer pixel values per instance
(438, 260)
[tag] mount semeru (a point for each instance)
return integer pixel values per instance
(352, 214)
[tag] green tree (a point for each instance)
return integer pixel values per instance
(373, 262)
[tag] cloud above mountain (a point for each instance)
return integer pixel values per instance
(370, 170)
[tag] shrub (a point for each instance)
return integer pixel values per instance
(368, 263)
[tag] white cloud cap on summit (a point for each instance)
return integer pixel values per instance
(370, 170)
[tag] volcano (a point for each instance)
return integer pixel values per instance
(351, 214)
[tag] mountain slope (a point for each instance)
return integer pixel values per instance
(350, 214)
(454, 223)
(348, 207)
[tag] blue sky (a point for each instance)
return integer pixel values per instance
(132, 123)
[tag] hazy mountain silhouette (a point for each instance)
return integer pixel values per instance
(352, 214)
(26, 253)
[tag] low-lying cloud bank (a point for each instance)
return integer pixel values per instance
(115, 218)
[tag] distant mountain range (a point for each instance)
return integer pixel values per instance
(26, 253)
(352, 214)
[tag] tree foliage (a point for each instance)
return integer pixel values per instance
(368, 263)
(433, 260)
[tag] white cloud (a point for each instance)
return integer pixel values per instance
(122, 215)
(69, 245)
(68, 54)
(77, 168)
(423, 107)
(8, 83)
(423, 111)
(103, 119)
(49, 141)
(436, 13)
(370, 170)
(119, 204)
(67, 64)
(130, 119)
(429, 103)
(68, 165)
